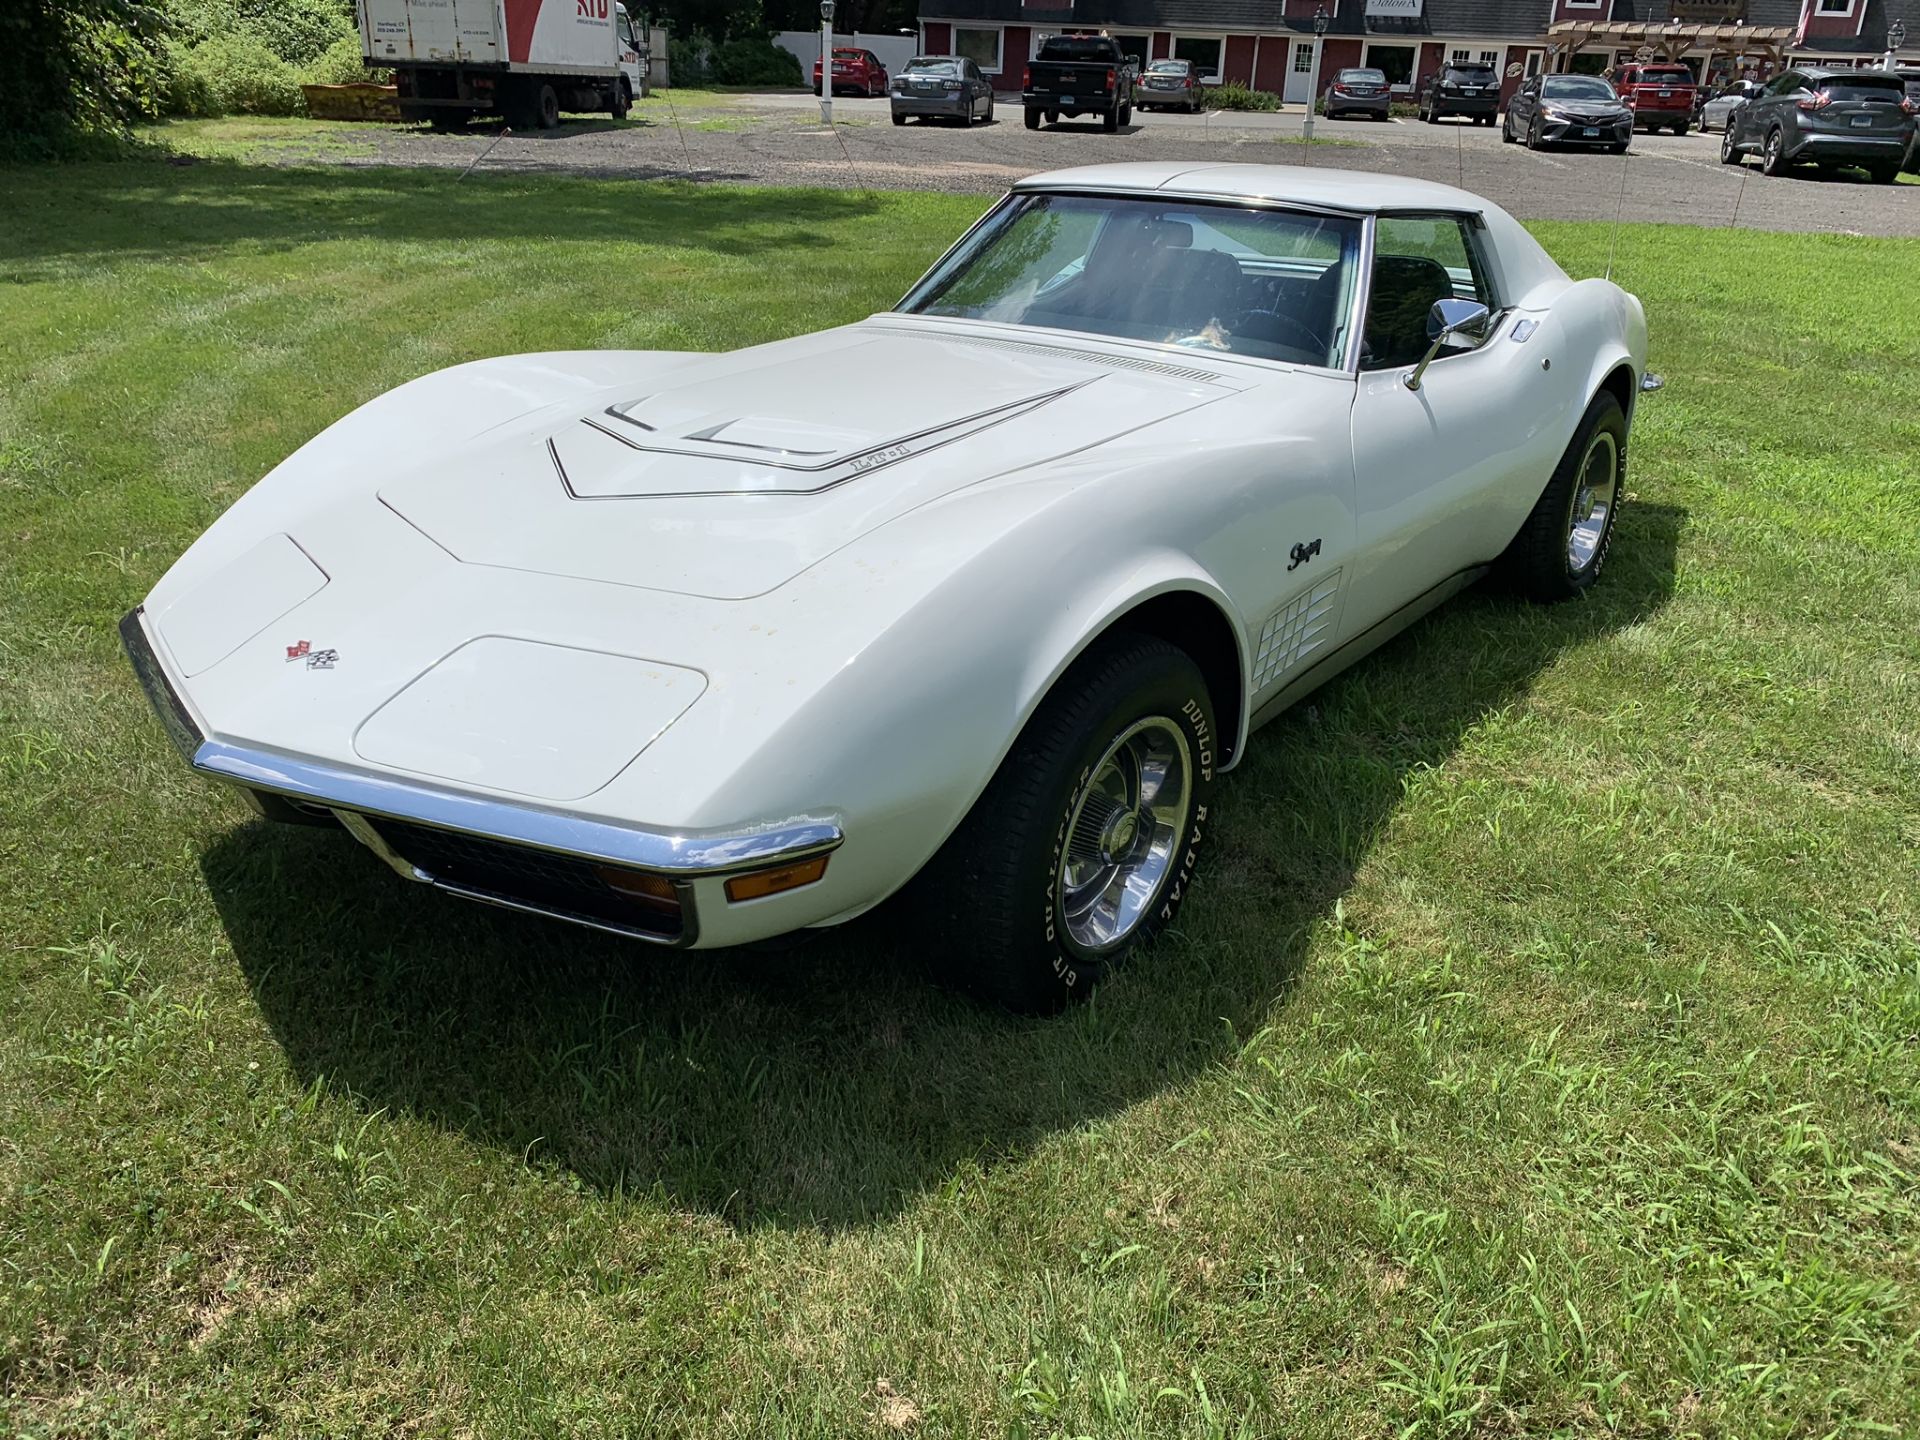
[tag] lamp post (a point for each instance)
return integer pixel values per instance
(826, 62)
(1313, 75)
(1896, 37)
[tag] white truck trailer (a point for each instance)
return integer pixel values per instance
(527, 59)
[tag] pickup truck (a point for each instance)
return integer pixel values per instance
(1079, 75)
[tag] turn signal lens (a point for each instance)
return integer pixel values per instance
(772, 882)
(654, 891)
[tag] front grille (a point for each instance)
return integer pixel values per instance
(538, 879)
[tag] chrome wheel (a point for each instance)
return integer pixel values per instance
(1125, 833)
(1593, 498)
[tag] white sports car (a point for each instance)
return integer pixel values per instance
(975, 598)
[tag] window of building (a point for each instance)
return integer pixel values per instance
(1533, 63)
(1202, 52)
(980, 46)
(1836, 7)
(1135, 47)
(1302, 58)
(1394, 61)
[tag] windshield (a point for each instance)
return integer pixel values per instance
(1276, 284)
(1363, 77)
(1577, 87)
(1077, 47)
(1866, 87)
(1168, 67)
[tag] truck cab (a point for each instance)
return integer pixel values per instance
(1079, 74)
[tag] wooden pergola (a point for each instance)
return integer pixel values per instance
(1667, 42)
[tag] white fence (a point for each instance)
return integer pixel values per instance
(894, 51)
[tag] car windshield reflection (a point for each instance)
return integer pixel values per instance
(1274, 284)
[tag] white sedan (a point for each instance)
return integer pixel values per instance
(974, 599)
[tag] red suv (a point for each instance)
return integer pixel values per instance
(1658, 95)
(857, 70)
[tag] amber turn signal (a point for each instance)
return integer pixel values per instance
(655, 891)
(772, 882)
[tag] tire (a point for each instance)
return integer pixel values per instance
(1110, 120)
(547, 107)
(1773, 154)
(1534, 142)
(622, 99)
(1682, 128)
(449, 120)
(899, 119)
(1729, 152)
(1552, 558)
(1882, 174)
(989, 110)
(1053, 117)
(1126, 114)
(1619, 147)
(1033, 119)
(1506, 132)
(995, 900)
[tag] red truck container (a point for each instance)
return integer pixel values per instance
(529, 59)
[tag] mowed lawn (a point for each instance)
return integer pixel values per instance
(1540, 1055)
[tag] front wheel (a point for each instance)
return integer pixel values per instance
(1729, 152)
(1561, 548)
(1506, 131)
(1533, 137)
(622, 99)
(1084, 843)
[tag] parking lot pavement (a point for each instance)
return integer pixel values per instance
(779, 140)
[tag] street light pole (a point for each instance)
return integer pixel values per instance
(1313, 75)
(826, 62)
(1896, 37)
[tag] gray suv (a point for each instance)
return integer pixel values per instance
(1826, 117)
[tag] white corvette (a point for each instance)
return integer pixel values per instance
(980, 594)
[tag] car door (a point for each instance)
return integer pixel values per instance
(1443, 473)
(1520, 107)
(1755, 117)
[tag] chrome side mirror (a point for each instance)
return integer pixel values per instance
(1447, 319)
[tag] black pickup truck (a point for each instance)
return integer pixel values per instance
(1080, 75)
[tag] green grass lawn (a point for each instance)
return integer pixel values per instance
(1541, 1054)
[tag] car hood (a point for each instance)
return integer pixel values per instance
(730, 474)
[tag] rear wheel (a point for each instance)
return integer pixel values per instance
(1110, 120)
(1883, 174)
(1773, 154)
(449, 119)
(1559, 552)
(898, 118)
(1682, 128)
(547, 107)
(1126, 114)
(1083, 844)
(1033, 119)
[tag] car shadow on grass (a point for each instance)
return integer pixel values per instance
(827, 1085)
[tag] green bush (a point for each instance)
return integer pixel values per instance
(232, 75)
(753, 61)
(1235, 96)
(341, 64)
(687, 58)
(74, 73)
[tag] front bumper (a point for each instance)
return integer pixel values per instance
(952, 107)
(521, 857)
(1574, 131)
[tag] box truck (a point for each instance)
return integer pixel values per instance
(527, 59)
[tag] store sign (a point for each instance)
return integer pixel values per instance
(1394, 9)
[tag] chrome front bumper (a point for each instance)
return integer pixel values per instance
(364, 802)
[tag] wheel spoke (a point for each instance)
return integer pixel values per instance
(1124, 833)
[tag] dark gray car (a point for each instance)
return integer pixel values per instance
(947, 87)
(1828, 118)
(1359, 92)
(1568, 110)
(1461, 89)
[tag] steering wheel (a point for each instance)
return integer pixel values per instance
(1296, 333)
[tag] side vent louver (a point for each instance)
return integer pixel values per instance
(1295, 632)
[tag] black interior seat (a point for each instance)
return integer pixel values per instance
(1405, 288)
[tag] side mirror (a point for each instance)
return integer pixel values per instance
(1447, 319)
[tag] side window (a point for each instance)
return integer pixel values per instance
(1417, 260)
(1785, 85)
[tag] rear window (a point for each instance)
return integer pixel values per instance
(1675, 76)
(933, 67)
(1074, 47)
(1865, 87)
(1363, 77)
(1169, 67)
(1472, 74)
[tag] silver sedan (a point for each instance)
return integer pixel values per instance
(1715, 113)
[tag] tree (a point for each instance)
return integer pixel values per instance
(75, 70)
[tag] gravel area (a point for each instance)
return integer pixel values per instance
(778, 140)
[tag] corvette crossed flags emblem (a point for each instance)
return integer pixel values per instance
(316, 659)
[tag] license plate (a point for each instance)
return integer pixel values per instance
(1066, 102)
(1469, 89)
(1591, 130)
(1862, 121)
(1666, 94)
